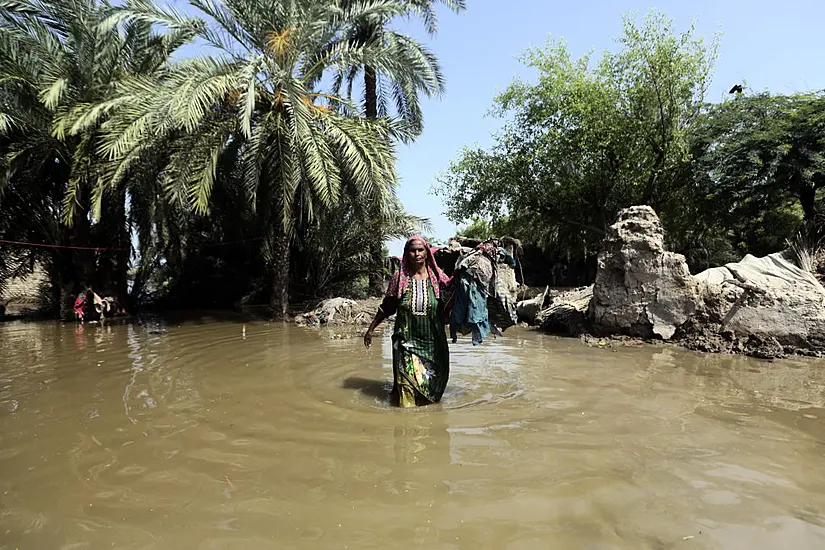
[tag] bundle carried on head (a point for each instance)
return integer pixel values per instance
(481, 302)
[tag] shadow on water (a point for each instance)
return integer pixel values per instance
(371, 388)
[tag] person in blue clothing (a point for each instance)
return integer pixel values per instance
(481, 304)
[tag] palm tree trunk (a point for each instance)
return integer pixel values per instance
(370, 92)
(376, 278)
(80, 235)
(114, 264)
(123, 242)
(807, 199)
(61, 271)
(279, 298)
(72, 269)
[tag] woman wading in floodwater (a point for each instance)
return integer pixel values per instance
(420, 355)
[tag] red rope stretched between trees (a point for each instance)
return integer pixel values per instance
(99, 249)
(58, 246)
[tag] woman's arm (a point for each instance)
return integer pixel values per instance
(387, 308)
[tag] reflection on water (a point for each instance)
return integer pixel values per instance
(213, 434)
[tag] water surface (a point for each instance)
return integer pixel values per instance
(213, 434)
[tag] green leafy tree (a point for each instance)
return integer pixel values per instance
(479, 229)
(760, 150)
(586, 140)
(755, 178)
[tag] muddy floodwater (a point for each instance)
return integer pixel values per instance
(218, 434)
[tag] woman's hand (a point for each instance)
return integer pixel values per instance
(379, 318)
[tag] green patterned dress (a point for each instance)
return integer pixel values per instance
(420, 354)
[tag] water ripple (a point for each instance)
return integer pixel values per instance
(218, 434)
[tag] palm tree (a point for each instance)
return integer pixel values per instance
(258, 105)
(415, 72)
(57, 58)
(334, 262)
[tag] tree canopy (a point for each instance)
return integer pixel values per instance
(587, 139)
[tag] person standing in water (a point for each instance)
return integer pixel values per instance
(420, 354)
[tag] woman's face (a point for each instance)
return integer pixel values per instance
(416, 253)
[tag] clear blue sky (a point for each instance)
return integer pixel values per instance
(774, 46)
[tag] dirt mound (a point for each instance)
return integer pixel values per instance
(765, 307)
(640, 289)
(338, 312)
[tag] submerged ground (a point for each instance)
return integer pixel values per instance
(216, 434)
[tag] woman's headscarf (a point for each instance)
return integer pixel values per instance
(401, 280)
